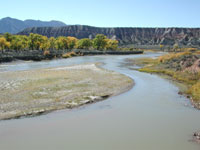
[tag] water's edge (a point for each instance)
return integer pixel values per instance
(147, 117)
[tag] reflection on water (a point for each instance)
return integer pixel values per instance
(150, 116)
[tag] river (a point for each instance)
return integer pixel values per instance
(150, 116)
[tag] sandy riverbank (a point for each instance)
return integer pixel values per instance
(29, 93)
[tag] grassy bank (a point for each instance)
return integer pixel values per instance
(183, 67)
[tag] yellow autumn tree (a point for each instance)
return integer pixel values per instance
(100, 41)
(35, 41)
(52, 42)
(4, 44)
(84, 43)
(19, 42)
(161, 47)
(24, 39)
(7, 45)
(45, 43)
(71, 42)
(111, 44)
(61, 43)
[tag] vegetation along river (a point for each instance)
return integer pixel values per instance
(152, 115)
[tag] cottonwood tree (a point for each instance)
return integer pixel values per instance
(84, 43)
(71, 42)
(99, 42)
(45, 43)
(52, 41)
(61, 43)
(111, 44)
(4, 44)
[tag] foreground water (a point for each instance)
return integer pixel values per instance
(150, 116)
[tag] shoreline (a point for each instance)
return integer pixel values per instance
(39, 55)
(148, 66)
(179, 84)
(74, 97)
(182, 87)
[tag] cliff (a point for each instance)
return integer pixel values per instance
(136, 36)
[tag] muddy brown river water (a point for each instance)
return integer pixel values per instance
(150, 116)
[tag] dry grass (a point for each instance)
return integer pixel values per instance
(190, 49)
(188, 78)
(170, 56)
(69, 54)
(194, 91)
(46, 52)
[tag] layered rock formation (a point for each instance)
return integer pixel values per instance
(137, 36)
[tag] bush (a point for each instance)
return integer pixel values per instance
(170, 56)
(194, 91)
(45, 53)
(69, 54)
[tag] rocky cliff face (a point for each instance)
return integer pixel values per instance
(137, 36)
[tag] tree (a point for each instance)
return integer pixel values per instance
(45, 43)
(52, 42)
(35, 41)
(111, 44)
(8, 36)
(99, 42)
(16, 43)
(61, 43)
(40, 42)
(71, 42)
(31, 41)
(84, 43)
(161, 47)
(4, 44)
(7, 45)
(24, 42)
(19, 42)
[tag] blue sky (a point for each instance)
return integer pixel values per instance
(107, 13)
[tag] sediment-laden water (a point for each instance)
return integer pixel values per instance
(149, 116)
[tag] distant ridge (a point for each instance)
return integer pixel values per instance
(136, 36)
(13, 25)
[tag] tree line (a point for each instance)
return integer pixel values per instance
(40, 42)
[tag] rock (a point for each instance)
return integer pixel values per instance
(188, 96)
(97, 98)
(94, 98)
(180, 93)
(197, 136)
